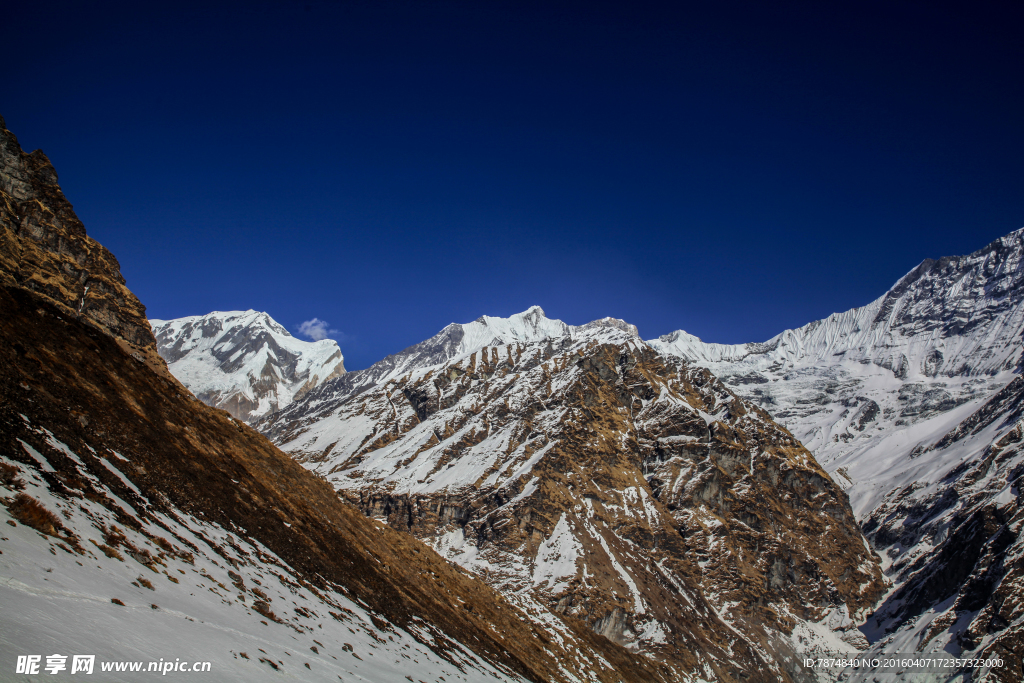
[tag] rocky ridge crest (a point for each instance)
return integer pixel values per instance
(44, 248)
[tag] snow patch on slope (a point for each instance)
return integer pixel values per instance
(555, 563)
(197, 602)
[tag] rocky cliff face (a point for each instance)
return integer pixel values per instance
(44, 248)
(913, 403)
(206, 540)
(244, 362)
(584, 474)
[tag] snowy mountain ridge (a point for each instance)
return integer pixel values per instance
(914, 404)
(454, 341)
(529, 326)
(951, 317)
(948, 334)
(244, 361)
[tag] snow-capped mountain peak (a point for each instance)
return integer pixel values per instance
(913, 404)
(461, 340)
(955, 316)
(692, 348)
(244, 361)
(530, 325)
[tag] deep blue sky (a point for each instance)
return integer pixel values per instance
(732, 169)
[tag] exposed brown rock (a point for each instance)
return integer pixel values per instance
(44, 248)
(699, 531)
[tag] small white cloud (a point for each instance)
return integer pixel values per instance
(315, 329)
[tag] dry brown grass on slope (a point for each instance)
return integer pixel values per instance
(31, 512)
(9, 477)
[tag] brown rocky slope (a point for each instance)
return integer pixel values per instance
(44, 248)
(78, 368)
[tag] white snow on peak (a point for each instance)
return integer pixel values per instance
(692, 348)
(454, 343)
(249, 319)
(531, 325)
(957, 315)
(869, 389)
(244, 361)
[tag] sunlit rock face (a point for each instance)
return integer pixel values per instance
(580, 470)
(44, 248)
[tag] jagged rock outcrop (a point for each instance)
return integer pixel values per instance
(244, 362)
(44, 248)
(591, 476)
